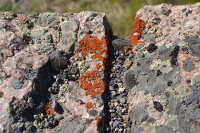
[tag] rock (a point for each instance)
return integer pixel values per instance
(169, 70)
(67, 73)
(45, 63)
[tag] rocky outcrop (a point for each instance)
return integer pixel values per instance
(165, 97)
(53, 71)
(67, 73)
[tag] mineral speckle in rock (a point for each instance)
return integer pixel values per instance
(158, 106)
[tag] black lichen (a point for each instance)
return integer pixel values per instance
(174, 55)
(152, 47)
(158, 106)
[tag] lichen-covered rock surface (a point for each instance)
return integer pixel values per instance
(165, 97)
(66, 73)
(52, 72)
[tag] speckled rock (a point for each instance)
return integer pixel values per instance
(166, 96)
(45, 62)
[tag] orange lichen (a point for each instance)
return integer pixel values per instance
(75, 115)
(98, 66)
(98, 121)
(91, 44)
(78, 58)
(90, 80)
(126, 48)
(48, 108)
(138, 26)
(89, 105)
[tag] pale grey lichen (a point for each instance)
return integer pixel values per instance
(42, 39)
(2, 76)
(196, 79)
(62, 99)
(172, 121)
(38, 123)
(68, 40)
(48, 19)
(64, 88)
(83, 66)
(163, 66)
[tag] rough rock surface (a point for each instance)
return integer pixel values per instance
(66, 72)
(52, 72)
(166, 95)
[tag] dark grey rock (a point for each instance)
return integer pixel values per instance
(115, 124)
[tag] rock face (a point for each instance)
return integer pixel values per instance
(166, 42)
(52, 72)
(66, 73)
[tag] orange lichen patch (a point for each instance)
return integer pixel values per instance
(75, 115)
(126, 48)
(91, 44)
(91, 82)
(78, 58)
(98, 66)
(98, 121)
(89, 105)
(138, 26)
(48, 108)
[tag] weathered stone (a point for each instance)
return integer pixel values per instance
(35, 53)
(173, 62)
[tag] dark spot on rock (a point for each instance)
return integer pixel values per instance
(89, 121)
(144, 118)
(159, 73)
(158, 106)
(151, 120)
(166, 12)
(169, 83)
(188, 81)
(174, 55)
(167, 94)
(146, 92)
(188, 65)
(1, 94)
(152, 47)
(93, 112)
(138, 64)
(129, 79)
(183, 10)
